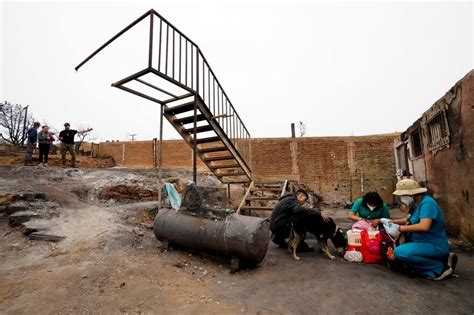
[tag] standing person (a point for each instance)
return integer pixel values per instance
(45, 138)
(31, 139)
(427, 252)
(67, 143)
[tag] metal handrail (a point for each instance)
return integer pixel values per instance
(230, 122)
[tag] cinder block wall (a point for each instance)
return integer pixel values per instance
(340, 169)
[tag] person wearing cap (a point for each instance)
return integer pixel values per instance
(31, 139)
(67, 143)
(288, 208)
(369, 209)
(427, 252)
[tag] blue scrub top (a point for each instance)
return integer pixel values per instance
(428, 208)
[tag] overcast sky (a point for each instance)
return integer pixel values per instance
(341, 68)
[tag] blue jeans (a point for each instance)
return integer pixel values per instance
(425, 259)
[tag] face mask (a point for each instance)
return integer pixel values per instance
(408, 200)
(372, 208)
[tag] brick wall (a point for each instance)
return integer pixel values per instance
(341, 169)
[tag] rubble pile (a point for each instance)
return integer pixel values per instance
(128, 192)
(30, 212)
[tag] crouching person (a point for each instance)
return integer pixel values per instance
(286, 210)
(368, 210)
(427, 251)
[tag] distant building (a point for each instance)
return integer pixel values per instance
(437, 150)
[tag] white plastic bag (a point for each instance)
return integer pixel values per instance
(353, 256)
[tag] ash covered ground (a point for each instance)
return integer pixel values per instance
(107, 259)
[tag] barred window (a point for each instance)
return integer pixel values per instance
(416, 144)
(438, 132)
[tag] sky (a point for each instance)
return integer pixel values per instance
(342, 68)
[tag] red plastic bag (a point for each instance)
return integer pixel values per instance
(371, 248)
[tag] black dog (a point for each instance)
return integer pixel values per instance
(322, 230)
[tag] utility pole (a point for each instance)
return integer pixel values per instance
(132, 136)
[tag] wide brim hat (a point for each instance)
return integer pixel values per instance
(408, 187)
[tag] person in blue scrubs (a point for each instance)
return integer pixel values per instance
(427, 252)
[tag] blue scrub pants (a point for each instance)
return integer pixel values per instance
(425, 259)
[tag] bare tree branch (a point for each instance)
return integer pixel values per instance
(12, 123)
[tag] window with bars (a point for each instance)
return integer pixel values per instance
(438, 131)
(416, 144)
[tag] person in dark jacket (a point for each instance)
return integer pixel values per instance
(45, 138)
(31, 139)
(67, 143)
(289, 208)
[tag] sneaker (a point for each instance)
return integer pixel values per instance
(446, 273)
(452, 260)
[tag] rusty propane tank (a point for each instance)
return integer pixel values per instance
(237, 236)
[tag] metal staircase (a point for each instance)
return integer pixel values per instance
(179, 78)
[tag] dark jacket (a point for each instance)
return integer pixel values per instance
(32, 135)
(287, 207)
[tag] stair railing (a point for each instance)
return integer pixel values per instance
(175, 57)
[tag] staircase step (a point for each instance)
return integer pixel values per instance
(199, 129)
(188, 120)
(180, 109)
(237, 182)
(224, 166)
(219, 158)
(269, 185)
(261, 198)
(266, 189)
(255, 208)
(207, 140)
(212, 149)
(222, 174)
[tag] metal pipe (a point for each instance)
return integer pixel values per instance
(113, 38)
(150, 43)
(195, 121)
(160, 160)
(159, 45)
(237, 236)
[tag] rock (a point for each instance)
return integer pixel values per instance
(34, 226)
(20, 217)
(15, 207)
(41, 195)
(38, 236)
(28, 196)
(137, 231)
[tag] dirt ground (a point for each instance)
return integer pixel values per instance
(55, 160)
(110, 262)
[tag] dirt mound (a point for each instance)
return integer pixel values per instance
(128, 192)
(82, 161)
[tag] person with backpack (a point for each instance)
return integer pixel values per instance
(31, 139)
(45, 138)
